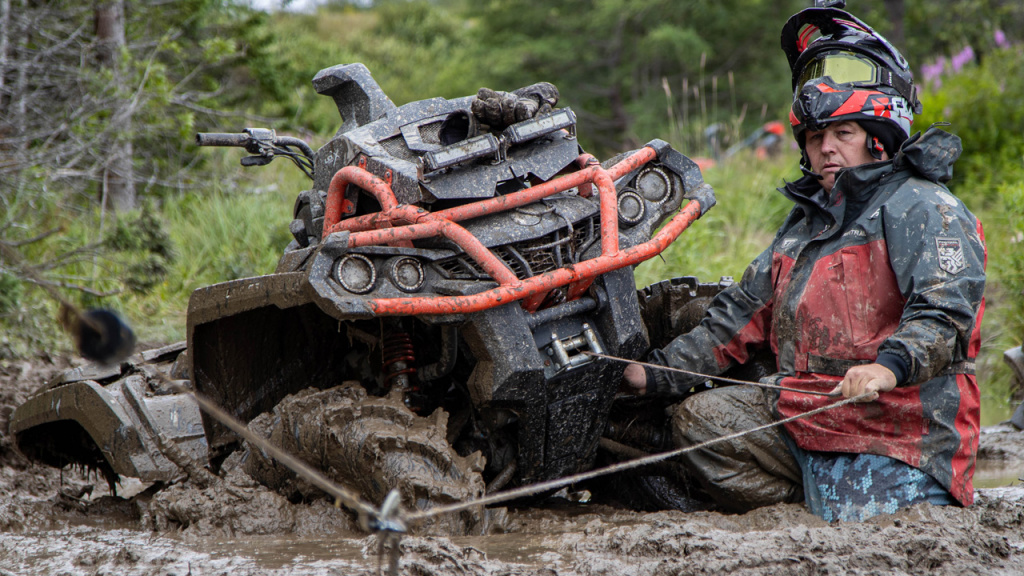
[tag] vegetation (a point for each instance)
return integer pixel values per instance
(632, 70)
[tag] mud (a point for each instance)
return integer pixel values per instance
(54, 522)
(371, 445)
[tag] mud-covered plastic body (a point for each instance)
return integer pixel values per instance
(120, 420)
(470, 272)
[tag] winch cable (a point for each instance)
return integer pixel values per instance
(533, 489)
(368, 514)
(709, 377)
(390, 521)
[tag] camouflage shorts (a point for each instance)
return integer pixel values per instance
(855, 487)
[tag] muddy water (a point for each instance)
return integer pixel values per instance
(562, 539)
(51, 524)
(991, 474)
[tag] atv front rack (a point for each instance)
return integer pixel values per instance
(399, 225)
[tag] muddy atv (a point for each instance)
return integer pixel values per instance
(429, 326)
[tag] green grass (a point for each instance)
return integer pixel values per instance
(737, 229)
(232, 226)
(235, 229)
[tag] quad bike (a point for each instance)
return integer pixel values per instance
(429, 326)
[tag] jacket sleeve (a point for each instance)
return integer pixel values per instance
(737, 323)
(937, 251)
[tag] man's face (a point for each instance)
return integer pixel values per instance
(839, 145)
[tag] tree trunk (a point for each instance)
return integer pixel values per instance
(896, 9)
(5, 35)
(118, 184)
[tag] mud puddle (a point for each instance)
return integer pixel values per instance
(995, 474)
(50, 525)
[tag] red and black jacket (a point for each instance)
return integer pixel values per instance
(888, 268)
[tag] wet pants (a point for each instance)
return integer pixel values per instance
(767, 467)
(745, 473)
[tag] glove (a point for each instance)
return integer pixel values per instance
(501, 109)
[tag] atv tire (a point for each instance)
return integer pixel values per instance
(370, 445)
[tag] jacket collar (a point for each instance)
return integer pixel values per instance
(930, 156)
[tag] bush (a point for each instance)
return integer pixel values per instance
(984, 102)
(984, 105)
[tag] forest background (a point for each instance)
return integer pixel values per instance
(108, 200)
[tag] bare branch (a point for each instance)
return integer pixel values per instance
(37, 238)
(78, 287)
(221, 114)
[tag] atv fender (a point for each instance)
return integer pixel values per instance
(116, 428)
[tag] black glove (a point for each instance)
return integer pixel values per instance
(501, 109)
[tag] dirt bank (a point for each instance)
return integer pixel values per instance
(54, 523)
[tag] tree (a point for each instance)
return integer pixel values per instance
(624, 63)
(97, 100)
(118, 185)
(896, 9)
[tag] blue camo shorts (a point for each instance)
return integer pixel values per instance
(855, 487)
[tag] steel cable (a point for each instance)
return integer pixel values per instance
(710, 377)
(533, 489)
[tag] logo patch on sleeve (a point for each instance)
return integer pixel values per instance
(951, 255)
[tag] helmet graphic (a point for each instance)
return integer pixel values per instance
(843, 70)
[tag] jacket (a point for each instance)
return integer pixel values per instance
(888, 268)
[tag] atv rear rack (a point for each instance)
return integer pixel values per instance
(398, 225)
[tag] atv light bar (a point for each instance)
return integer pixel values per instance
(469, 149)
(561, 119)
(489, 145)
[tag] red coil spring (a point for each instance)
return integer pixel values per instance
(399, 356)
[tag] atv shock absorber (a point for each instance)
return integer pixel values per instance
(399, 359)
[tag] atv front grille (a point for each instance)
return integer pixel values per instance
(529, 258)
(398, 147)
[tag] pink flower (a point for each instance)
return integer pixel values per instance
(932, 73)
(965, 56)
(1000, 38)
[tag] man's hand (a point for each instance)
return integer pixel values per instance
(634, 380)
(867, 378)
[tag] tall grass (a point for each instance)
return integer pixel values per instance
(237, 228)
(234, 226)
(737, 229)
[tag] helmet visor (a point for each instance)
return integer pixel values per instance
(842, 67)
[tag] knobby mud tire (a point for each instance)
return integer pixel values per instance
(370, 445)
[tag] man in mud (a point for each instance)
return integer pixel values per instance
(872, 285)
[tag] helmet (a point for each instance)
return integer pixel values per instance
(849, 72)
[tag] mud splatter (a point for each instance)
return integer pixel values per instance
(52, 524)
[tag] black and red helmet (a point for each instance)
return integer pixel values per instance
(843, 70)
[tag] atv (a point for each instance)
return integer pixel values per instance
(431, 325)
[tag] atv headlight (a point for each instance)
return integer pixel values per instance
(631, 208)
(654, 185)
(406, 273)
(476, 147)
(520, 132)
(355, 273)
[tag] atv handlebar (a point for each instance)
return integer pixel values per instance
(264, 144)
(222, 139)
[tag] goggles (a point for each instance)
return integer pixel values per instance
(843, 68)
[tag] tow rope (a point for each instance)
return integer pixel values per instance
(710, 377)
(390, 521)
